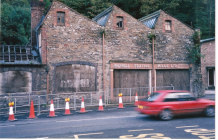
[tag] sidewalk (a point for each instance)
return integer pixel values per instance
(209, 94)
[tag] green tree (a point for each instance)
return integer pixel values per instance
(15, 23)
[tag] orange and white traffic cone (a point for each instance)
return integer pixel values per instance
(136, 99)
(52, 112)
(11, 112)
(120, 101)
(32, 113)
(100, 105)
(82, 110)
(67, 108)
(148, 94)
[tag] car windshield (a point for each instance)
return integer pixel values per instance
(153, 96)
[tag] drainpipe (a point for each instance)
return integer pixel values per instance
(153, 75)
(103, 65)
(47, 69)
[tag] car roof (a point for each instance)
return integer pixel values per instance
(169, 91)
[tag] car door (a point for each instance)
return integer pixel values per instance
(171, 101)
(187, 103)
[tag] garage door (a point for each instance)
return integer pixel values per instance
(131, 79)
(75, 78)
(178, 78)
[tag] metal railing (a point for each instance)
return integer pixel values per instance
(12, 53)
(42, 100)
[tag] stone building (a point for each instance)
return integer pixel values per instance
(112, 51)
(208, 63)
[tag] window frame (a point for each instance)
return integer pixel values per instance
(168, 23)
(122, 22)
(62, 18)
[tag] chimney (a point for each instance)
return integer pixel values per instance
(37, 11)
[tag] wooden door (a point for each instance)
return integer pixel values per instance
(180, 79)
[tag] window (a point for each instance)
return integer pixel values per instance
(168, 25)
(60, 18)
(119, 22)
(154, 96)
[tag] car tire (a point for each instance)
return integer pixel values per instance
(166, 115)
(210, 111)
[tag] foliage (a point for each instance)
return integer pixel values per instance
(195, 51)
(102, 32)
(196, 37)
(151, 35)
(15, 24)
(89, 8)
(195, 54)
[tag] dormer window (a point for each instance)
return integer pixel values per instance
(168, 25)
(60, 18)
(119, 22)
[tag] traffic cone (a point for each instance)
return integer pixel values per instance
(11, 113)
(100, 105)
(52, 112)
(32, 113)
(120, 101)
(148, 94)
(82, 110)
(136, 99)
(67, 108)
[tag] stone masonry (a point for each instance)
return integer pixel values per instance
(208, 50)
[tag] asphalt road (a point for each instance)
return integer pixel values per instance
(112, 123)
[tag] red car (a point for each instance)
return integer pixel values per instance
(168, 103)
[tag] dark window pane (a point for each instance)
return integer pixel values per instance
(5, 49)
(119, 21)
(59, 19)
(62, 19)
(17, 50)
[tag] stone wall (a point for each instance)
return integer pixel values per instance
(22, 79)
(208, 50)
(172, 46)
(80, 40)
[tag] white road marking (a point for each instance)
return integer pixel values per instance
(7, 125)
(76, 136)
(187, 126)
(139, 130)
(112, 109)
(19, 114)
(98, 118)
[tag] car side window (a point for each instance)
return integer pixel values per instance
(186, 97)
(171, 97)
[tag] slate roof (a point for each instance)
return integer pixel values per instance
(150, 20)
(103, 16)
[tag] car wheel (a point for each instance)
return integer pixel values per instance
(166, 115)
(210, 111)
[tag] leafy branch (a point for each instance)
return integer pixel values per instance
(195, 51)
(151, 35)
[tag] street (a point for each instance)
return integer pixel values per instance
(112, 123)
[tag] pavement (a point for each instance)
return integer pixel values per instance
(209, 94)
